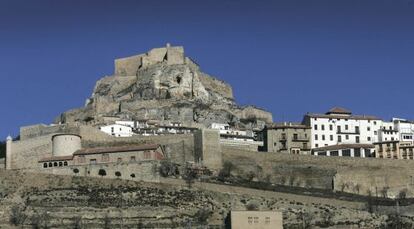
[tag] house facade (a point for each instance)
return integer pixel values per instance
(291, 138)
(340, 126)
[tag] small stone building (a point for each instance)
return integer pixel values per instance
(256, 219)
(291, 138)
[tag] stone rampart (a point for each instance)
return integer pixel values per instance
(360, 176)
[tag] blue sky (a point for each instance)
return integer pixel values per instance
(288, 57)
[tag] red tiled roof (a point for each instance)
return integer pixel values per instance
(339, 110)
(333, 116)
(99, 150)
(56, 158)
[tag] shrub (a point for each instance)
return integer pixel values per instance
(17, 216)
(133, 175)
(76, 170)
(189, 176)
(203, 215)
(225, 172)
(167, 168)
(252, 206)
(118, 174)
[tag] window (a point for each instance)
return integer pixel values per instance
(267, 220)
(295, 136)
(323, 127)
(105, 157)
(44, 165)
(55, 164)
(112, 129)
(316, 137)
(369, 139)
(305, 145)
(357, 152)
(339, 129)
(346, 153)
(283, 136)
(92, 161)
(330, 127)
(133, 159)
(375, 122)
(315, 127)
(334, 153)
(331, 137)
(357, 139)
(368, 128)
(339, 138)
(347, 137)
(346, 127)
(316, 145)
(50, 164)
(375, 132)
(65, 163)
(357, 129)
(323, 137)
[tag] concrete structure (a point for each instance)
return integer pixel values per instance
(207, 149)
(65, 144)
(287, 138)
(256, 219)
(345, 150)
(9, 141)
(340, 126)
(117, 130)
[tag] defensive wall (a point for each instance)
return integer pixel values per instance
(359, 176)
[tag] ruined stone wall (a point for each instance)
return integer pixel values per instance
(128, 66)
(348, 174)
(26, 153)
(136, 171)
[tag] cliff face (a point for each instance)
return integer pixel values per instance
(163, 84)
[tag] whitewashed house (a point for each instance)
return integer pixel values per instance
(405, 129)
(340, 126)
(117, 130)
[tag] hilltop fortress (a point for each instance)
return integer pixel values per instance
(159, 106)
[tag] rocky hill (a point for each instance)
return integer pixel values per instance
(49, 201)
(163, 84)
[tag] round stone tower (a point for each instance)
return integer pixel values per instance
(65, 144)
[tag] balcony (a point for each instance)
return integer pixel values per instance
(348, 132)
(300, 139)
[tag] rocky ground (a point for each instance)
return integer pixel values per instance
(50, 201)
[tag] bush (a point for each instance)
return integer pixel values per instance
(133, 175)
(167, 168)
(76, 170)
(17, 216)
(118, 174)
(189, 176)
(203, 215)
(252, 206)
(225, 172)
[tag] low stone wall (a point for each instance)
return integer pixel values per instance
(360, 176)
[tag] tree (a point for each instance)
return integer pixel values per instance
(167, 168)
(118, 174)
(189, 176)
(76, 170)
(102, 172)
(252, 206)
(225, 172)
(133, 175)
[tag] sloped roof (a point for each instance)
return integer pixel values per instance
(56, 158)
(339, 110)
(118, 149)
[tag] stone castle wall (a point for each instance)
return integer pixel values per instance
(359, 176)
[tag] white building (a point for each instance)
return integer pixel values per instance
(340, 126)
(388, 132)
(117, 130)
(405, 129)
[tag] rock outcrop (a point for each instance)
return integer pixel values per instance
(163, 84)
